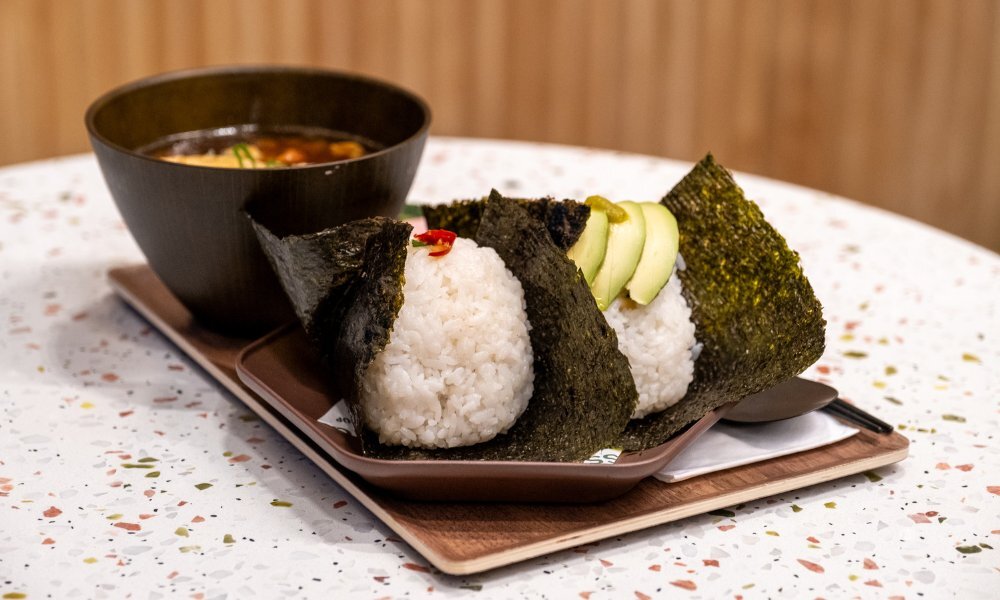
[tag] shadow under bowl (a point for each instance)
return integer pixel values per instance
(188, 220)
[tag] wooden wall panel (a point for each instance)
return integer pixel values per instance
(680, 105)
(985, 198)
(894, 102)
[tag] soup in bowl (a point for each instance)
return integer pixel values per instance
(183, 153)
(252, 147)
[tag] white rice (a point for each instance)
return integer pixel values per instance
(658, 340)
(458, 366)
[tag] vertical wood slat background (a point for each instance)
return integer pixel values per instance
(895, 102)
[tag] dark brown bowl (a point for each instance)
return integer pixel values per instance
(188, 219)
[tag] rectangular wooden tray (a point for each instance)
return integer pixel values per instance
(462, 538)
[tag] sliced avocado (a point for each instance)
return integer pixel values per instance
(658, 254)
(588, 251)
(625, 242)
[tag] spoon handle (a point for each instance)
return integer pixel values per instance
(849, 412)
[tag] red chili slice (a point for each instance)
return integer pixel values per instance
(440, 240)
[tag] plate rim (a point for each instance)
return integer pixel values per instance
(653, 458)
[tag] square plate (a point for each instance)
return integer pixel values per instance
(284, 371)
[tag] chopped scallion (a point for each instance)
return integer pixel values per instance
(242, 152)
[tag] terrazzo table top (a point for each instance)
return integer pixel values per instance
(126, 472)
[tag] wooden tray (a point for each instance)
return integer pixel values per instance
(462, 538)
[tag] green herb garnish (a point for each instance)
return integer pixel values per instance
(410, 211)
(242, 152)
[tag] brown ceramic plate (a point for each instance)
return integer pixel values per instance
(282, 369)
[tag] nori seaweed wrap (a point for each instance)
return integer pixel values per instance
(564, 219)
(756, 315)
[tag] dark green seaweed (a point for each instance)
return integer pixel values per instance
(346, 285)
(461, 216)
(584, 393)
(564, 219)
(757, 317)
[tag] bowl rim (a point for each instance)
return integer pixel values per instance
(104, 99)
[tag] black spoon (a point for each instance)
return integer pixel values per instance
(788, 399)
(798, 396)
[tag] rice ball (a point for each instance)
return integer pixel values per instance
(658, 340)
(458, 366)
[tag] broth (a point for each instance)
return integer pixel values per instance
(250, 147)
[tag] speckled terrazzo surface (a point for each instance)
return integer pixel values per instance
(125, 472)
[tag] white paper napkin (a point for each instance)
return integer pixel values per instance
(728, 445)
